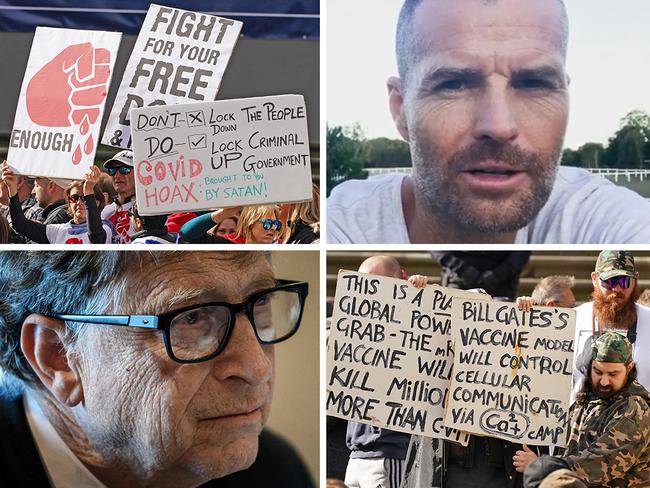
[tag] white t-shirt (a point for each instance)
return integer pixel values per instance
(582, 209)
(120, 217)
(70, 233)
(641, 345)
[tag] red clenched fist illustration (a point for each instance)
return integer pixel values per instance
(69, 91)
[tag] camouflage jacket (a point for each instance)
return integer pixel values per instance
(609, 440)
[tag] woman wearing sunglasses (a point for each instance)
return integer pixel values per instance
(85, 202)
(255, 225)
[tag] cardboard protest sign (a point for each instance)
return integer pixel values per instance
(179, 56)
(227, 153)
(61, 102)
(512, 371)
(390, 355)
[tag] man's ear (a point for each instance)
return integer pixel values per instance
(594, 278)
(396, 104)
(41, 341)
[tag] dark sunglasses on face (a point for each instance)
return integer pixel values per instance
(124, 170)
(623, 281)
(75, 198)
(79, 197)
(267, 224)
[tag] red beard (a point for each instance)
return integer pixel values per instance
(612, 311)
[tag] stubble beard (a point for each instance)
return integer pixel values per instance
(436, 184)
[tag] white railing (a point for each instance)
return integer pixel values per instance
(383, 171)
(614, 173)
(641, 174)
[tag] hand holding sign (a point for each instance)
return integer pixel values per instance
(9, 179)
(522, 459)
(70, 90)
(91, 179)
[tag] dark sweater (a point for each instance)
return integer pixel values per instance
(277, 464)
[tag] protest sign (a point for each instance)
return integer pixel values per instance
(390, 355)
(61, 102)
(512, 371)
(227, 153)
(178, 57)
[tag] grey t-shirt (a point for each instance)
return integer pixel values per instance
(582, 209)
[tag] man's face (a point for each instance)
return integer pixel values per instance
(124, 184)
(485, 108)
(201, 420)
(615, 306)
(608, 379)
(41, 192)
(614, 295)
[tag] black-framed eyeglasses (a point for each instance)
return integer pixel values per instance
(267, 224)
(124, 170)
(201, 332)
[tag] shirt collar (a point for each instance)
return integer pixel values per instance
(63, 468)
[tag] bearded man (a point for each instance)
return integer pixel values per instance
(614, 308)
(609, 438)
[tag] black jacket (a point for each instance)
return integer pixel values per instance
(277, 464)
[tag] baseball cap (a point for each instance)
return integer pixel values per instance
(615, 263)
(612, 347)
(123, 157)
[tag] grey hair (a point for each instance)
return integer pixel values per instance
(552, 288)
(407, 46)
(73, 282)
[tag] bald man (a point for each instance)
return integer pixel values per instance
(377, 455)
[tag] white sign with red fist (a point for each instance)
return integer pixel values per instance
(56, 128)
(179, 57)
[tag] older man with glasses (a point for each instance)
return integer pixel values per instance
(143, 369)
(120, 169)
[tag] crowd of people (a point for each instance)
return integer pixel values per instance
(102, 209)
(609, 424)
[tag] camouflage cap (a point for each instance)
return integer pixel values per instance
(615, 263)
(612, 347)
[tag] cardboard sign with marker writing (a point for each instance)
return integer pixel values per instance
(389, 354)
(61, 102)
(512, 371)
(180, 56)
(248, 151)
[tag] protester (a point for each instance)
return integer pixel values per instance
(150, 229)
(176, 398)
(120, 169)
(552, 291)
(482, 99)
(106, 186)
(28, 204)
(225, 227)
(84, 204)
(196, 230)
(50, 196)
(4, 230)
(304, 220)
(496, 272)
(609, 438)
(257, 224)
(613, 308)
(377, 455)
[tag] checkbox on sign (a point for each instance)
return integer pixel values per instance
(197, 141)
(195, 118)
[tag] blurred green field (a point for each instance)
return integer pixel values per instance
(641, 187)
